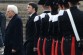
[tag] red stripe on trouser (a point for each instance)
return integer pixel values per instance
(62, 50)
(44, 45)
(56, 48)
(38, 46)
(73, 46)
(82, 53)
(52, 50)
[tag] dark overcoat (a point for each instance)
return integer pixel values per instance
(30, 34)
(14, 37)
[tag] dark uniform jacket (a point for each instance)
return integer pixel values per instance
(67, 31)
(45, 24)
(14, 36)
(37, 22)
(55, 26)
(65, 25)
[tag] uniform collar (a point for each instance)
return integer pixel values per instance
(60, 12)
(74, 7)
(46, 11)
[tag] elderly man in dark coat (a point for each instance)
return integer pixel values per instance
(14, 33)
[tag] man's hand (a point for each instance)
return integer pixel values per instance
(80, 45)
(34, 49)
(13, 50)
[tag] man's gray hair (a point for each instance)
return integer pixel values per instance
(12, 8)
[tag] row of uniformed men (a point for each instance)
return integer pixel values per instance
(54, 32)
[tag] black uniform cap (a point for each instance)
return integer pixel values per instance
(62, 2)
(41, 2)
(54, 6)
(74, 1)
(51, 2)
(48, 2)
